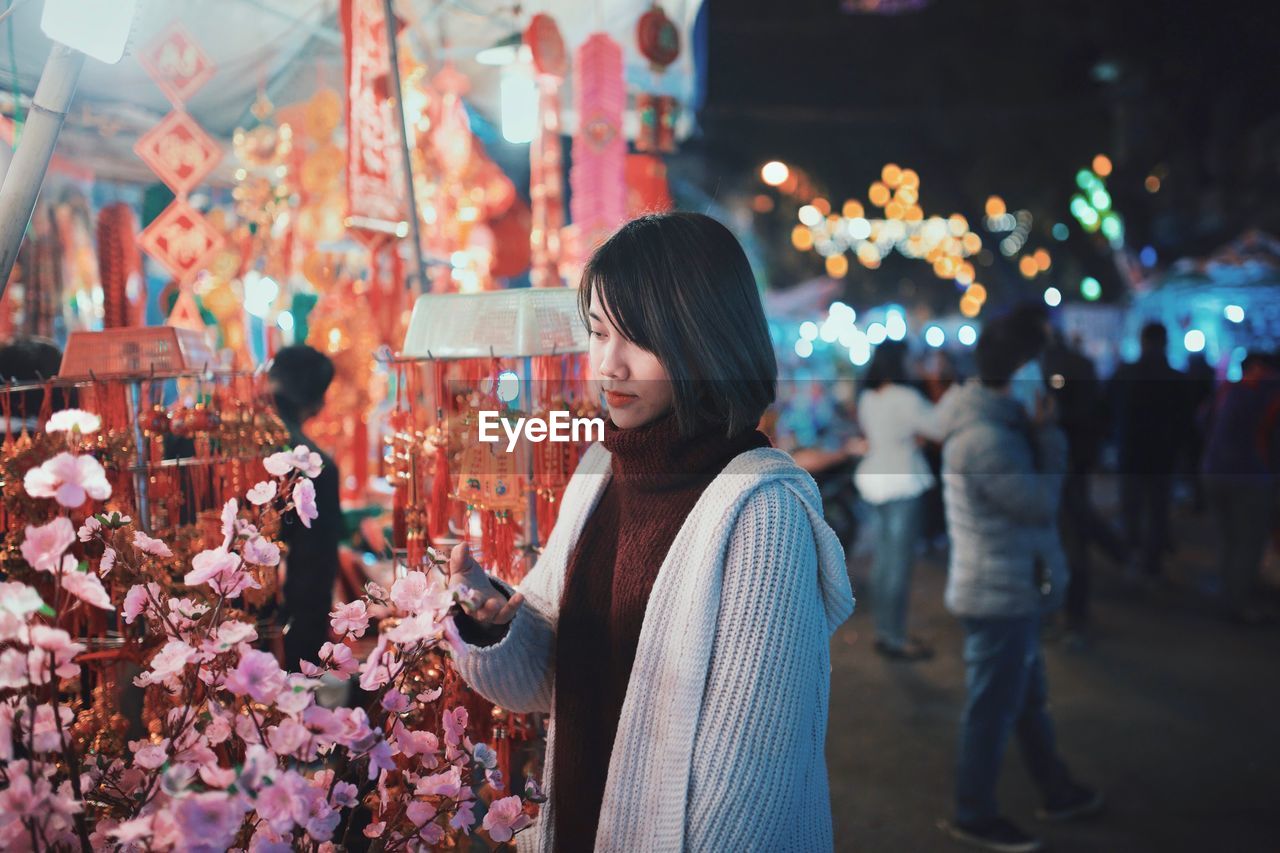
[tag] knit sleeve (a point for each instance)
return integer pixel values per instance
(758, 777)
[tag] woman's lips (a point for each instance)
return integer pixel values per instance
(617, 400)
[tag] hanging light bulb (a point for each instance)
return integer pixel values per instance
(519, 100)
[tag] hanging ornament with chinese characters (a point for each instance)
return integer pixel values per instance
(659, 42)
(546, 173)
(180, 153)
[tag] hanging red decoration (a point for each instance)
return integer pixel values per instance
(179, 152)
(647, 190)
(177, 64)
(599, 202)
(546, 172)
(658, 38)
(118, 261)
(374, 180)
(180, 239)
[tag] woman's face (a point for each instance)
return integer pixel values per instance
(634, 382)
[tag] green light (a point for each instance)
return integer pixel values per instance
(1090, 220)
(1085, 179)
(1080, 207)
(1101, 200)
(1112, 229)
(1090, 289)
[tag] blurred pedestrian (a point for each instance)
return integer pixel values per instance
(1073, 384)
(27, 361)
(1152, 419)
(1242, 470)
(1002, 479)
(893, 478)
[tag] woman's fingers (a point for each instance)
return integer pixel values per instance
(508, 611)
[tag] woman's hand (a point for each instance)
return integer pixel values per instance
(486, 604)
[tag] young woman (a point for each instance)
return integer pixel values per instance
(894, 477)
(676, 626)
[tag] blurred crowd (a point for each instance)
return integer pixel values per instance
(994, 467)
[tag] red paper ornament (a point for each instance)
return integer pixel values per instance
(177, 63)
(180, 239)
(179, 151)
(658, 37)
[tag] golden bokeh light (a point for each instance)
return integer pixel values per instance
(1102, 165)
(879, 194)
(1028, 267)
(996, 207)
(853, 209)
(802, 238)
(837, 265)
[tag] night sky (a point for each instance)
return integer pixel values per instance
(1009, 97)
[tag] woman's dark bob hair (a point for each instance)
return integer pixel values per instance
(679, 286)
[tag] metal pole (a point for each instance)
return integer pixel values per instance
(419, 262)
(26, 171)
(140, 473)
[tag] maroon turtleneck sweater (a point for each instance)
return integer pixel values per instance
(657, 477)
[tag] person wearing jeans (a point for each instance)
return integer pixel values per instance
(1002, 472)
(1006, 693)
(893, 478)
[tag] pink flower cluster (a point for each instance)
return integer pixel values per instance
(300, 769)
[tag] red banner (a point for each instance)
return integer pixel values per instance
(374, 170)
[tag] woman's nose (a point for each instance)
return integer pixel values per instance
(610, 365)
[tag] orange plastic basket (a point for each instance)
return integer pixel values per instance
(136, 352)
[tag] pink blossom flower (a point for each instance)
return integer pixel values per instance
(415, 629)
(13, 669)
(278, 464)
(230, 510)
(44, 734)
(133, 831)
(210, 819)
(52, 653)
(257, 675)
(297, 695)
(395, 702)
(304, 501)
(44, 546)
(455, 725)
(169, 662)
(89, 529)
(287, 737)
(68, 420)
(68, 479)
(229, 635)
(136, 601)
(505, 818)
(19, 599)
(464, 818)
(420, 811)
(148, 755)
(217, 777)
(307, 461)
(380, 666)
(108, 562)
(262, 492)
(339, 658)
(211, 564)
(426, 697)
(85, 586)
(424, 744)
(24, 798)
(375, 830)
(415, 593)
(446, 783)
(350, 618)
(285, 802)
(261, 552)
(147, 545)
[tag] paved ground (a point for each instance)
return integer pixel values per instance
(1174, 714)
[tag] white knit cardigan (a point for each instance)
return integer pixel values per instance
(720, 746)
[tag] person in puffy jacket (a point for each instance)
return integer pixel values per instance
(1002, 471)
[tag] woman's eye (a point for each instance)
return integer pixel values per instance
(593, 333)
